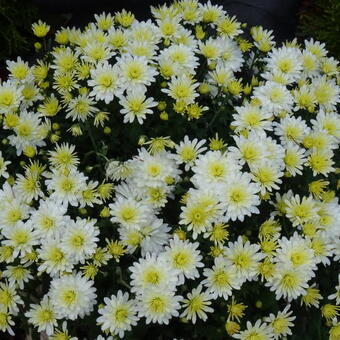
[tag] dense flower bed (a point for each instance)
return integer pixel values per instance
(180, 171)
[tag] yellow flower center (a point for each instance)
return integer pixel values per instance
(290, 281)
(5, 298)
(69, 296)
(221, 278)
(77, 241)
(242, 261)
(67, 185)
(20, 237)
(157, 305)
(237, 195)
(181, 259)
(216, 170)
(120, 314)
(46, 315)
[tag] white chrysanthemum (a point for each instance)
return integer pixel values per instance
(210, 48)
(79, 239)
(184, 257)
(326, 92)
(286, 60)
(310, 64)
(201, 210)
(80, 108)
(213, 168)
(250, 149)
(155, 235)
(296, 252)
(10, 96)
(168, 25)
(304, 98)
(9, 299)
(28, 132)
(96, 52)
(55, 260)
(117, 171)
(104, 21)
(292, 129)
(221, 279)
(152, 272)
(322, 141)
(129, 212)
(28, 187)
(157, 196)
(62, 333)
(211, 13)
(196, 305)
(18, 275)
(3, 166)
(90, 195)
(277, 77)
(184, 36)
(21, 237)
(336, 296)
(329, 219)
(6, 322)
(158, 305)
(31, 94)
(316, 47)
(66, 187)
(72, 296)
(300, 211)
(258, 331)
(267, 174)
(182, 88)
(136, 105)
(12, 211)
(323, 249)
(274, 97)
(281, 323)
(188, 150)
(105, 82)
(181, 57)
(231, 55)
(288, 282)
(131, 238)
(191, 13)
(49, 219)
(42, 316)
(65, 59)
(240, 197)
(329, 122)
(219, 77)
(320, 161)
(142, 49)
(135, 72)
(155, 170)
(294, 158)
(244, 257)
(117, 38)
(251, 118)
(275, 152)
(145, 31)
(19, 71)
(118, 314)
(63, 157)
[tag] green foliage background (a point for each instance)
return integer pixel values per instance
(321, 19)
(16, 18)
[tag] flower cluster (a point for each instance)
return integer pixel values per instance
(230, 196)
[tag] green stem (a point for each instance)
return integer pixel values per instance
(99, 155)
